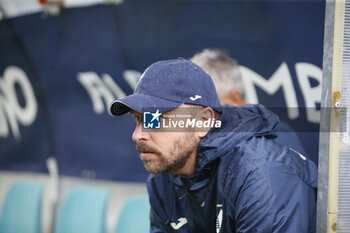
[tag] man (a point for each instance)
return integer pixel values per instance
(227, 78)
(228, 177)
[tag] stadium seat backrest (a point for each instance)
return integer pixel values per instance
(83, 210)
(21, 210)
(134, 216)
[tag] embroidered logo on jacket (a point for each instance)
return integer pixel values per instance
(182, 221)
(219, 213)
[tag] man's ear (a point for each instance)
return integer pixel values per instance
(206, 114)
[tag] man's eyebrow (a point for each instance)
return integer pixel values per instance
(135, 113)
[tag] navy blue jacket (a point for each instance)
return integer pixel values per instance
(287, 137)
(244, 182)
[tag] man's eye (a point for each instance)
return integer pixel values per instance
(137, 119)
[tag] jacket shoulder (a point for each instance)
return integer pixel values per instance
(264, 183)
(269, 158)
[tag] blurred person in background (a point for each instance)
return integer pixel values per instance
(228, 178)
(227, 78)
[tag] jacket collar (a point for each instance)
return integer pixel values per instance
(238, 124)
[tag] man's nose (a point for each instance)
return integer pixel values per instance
(139, 133)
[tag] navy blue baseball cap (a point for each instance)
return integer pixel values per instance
(167, 85)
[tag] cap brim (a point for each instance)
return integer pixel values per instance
(139, 102)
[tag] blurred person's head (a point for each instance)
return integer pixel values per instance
(225, 74)
(175, 87)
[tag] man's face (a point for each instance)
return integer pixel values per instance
(162, 151)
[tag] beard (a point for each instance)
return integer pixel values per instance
(175, 160)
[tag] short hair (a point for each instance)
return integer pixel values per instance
(223, 70)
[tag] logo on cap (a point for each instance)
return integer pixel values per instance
(151, 120)
(193, 98)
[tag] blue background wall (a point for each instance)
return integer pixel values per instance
(75, 62)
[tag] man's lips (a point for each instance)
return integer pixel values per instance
(145, 155)
(145, 151)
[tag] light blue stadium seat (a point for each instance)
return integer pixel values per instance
(21, 211)
(134, 216)
(83, 210)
